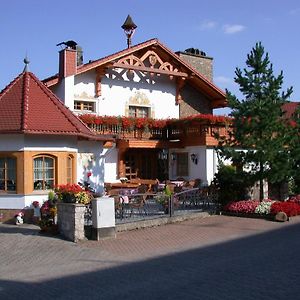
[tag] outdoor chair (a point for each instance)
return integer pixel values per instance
(138, 201)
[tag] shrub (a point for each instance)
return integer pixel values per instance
(264, 207)
(295, 199)
(290, 208)
(245, 206)
(231, 184)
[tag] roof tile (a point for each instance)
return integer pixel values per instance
(27, 106)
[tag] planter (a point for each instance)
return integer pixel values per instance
(70, 221)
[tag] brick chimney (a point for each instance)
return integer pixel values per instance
(67, 62)
(199, 61)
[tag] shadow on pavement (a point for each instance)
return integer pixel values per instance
(265, 266)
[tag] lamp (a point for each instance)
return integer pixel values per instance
(194, 158)
(129, 29)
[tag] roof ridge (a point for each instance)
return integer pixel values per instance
(25, 102)
(10, 85)
(107, 57)
(190, 67)
(121, 52)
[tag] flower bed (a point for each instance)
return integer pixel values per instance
(268, 208)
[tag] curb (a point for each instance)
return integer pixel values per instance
(159, 221)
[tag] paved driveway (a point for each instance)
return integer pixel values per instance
(216, 257)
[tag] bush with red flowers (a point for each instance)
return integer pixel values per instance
(266, 207)
(290, 208)
(295, 199)
(245, 206)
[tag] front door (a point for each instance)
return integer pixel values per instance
(146, 164)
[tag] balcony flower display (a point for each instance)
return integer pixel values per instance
(150, 123)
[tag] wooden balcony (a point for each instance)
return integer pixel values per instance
(189, 135)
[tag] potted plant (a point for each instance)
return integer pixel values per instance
(48, 216)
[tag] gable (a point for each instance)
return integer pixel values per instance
(153, 58)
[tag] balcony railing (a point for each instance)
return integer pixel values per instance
(202, 133)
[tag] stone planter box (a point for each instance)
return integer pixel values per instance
(70, 221)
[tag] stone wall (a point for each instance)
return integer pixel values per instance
(203, 64)
(193, 102)
(70, 221)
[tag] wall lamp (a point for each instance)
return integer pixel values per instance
(173, 156)
(194, 158)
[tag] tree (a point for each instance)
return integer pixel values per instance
(259, 128)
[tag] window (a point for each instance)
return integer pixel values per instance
(139, 111)
(182, 164)
(69, 176)
(43, 173)
(7, 174)
(84, 105)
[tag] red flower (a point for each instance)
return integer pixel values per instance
(36, 203)
(246, 206)
(290, 208)
(89, 174)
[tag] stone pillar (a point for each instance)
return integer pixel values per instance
(70, 221)
(103, 216)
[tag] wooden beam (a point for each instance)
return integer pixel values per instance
(149, 70)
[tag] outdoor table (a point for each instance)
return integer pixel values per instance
(121, 185)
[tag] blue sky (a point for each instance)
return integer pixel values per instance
(225, 30)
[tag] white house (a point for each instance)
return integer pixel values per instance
(147, 81)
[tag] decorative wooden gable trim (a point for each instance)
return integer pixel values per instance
(151, 63)
(100, 72)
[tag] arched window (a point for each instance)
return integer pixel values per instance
(69, 170)
(43, 172)
(8, 174)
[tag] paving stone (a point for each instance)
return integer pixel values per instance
(217, 257)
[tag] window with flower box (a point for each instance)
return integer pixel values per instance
(84, 105)
(139, 112)
(7, 174)
(43, 172)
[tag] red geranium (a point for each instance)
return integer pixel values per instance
(290, 208)
(245, 206)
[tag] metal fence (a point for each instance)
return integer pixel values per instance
(148, 206)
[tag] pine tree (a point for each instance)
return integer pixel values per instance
(260, 130)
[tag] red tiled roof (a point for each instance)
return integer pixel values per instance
(290, 108)
(27, 106)
(203, 81)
